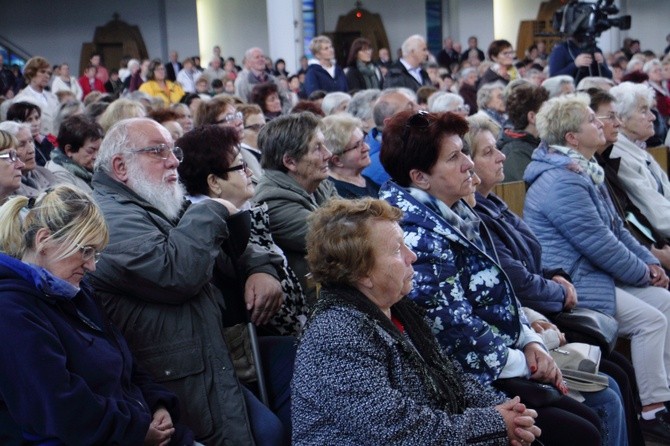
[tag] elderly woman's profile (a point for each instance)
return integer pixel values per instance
(368, 369)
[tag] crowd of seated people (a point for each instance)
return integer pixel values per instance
(209, 230)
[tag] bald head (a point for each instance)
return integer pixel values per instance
(389, 103)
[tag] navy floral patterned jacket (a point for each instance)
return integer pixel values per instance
(466, 294)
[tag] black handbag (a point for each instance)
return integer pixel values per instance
(532, 393)
(588, 326)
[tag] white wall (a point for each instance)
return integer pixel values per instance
(401, 18)
(650, 22)
(52, 29)
(475, 19)
(56, 31)
(234, 25)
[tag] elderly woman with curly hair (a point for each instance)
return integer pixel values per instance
(368, 369)
(458, 280)
(569, 209)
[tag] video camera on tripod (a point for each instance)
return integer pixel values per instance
(586, 21)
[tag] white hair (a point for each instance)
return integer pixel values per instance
(13, 127)
(333, 100)
(444, 102)
(410, 44)
(553, 84)
(628, 96)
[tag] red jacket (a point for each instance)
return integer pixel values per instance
(86, 85)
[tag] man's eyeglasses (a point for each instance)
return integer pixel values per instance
(230, 117)
(254, 127)
(11, 156)
(612, 116)
(241, 167)
(418, 120)
(89, 253)
(357, 145)
(161, 151)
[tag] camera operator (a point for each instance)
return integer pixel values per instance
(571, 57)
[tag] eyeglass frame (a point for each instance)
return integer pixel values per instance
(613, 116)
(88, 253)
(244, 168)
(12, 156)
(359, 144)
(153, 151)
(230, 117)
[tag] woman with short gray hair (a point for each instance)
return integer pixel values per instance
(640, 175)
(295, 158)
(491, 103)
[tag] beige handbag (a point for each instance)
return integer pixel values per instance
(579, 364)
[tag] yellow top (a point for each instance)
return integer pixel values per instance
(171, 94)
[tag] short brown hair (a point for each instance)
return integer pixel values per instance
(524, 98)
(406, 147)
(33, 65)
(208, 111)
(339, 247)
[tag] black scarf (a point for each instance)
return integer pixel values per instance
(436, 371)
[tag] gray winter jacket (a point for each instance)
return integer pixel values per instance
(289, 206)
(154, 279)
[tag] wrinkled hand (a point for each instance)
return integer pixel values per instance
(263, 296)
(520, 422)
(570, 292)
(663, 255)
(583, 60)
(161, 429)
(540, 326)
(658, 276)
(542, 366)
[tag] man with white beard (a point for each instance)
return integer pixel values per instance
(165, 274)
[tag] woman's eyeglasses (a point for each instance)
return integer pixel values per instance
(358, 145)
(161, 151)
(612, 116)
(89, 253)
(230, 117)
(241, 167)
(418, 120)
(11, 156)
